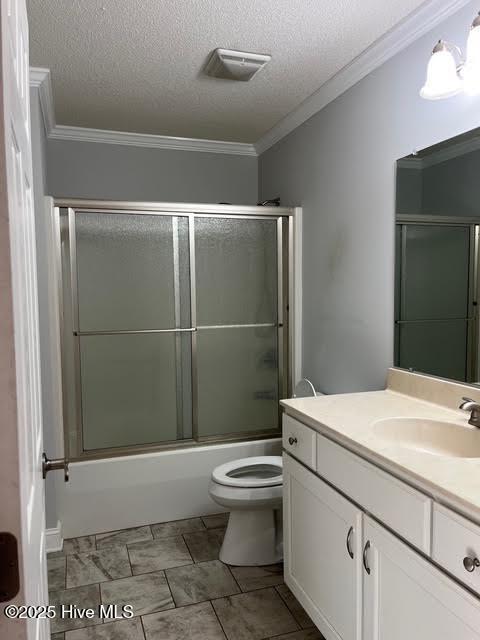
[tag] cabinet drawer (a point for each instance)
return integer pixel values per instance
(299, 440)
(399, 506)
(454, 539)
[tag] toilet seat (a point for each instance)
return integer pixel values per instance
(262, 471)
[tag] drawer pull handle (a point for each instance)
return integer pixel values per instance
(471, 564)
(292, 441)
(365, 552)
(349, 538)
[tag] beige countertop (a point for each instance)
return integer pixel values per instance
(349, 420)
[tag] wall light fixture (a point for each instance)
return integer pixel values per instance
(447, 76)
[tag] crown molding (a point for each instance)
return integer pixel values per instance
(419, 22)
(40, 79)
(83, 134)
(410, 163)
(442, 155)
(425, 18)
(451, 151)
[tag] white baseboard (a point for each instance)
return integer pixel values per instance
(54, 539)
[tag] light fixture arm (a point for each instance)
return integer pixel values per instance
(444, 45)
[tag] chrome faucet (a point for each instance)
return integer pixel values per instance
(470, 405)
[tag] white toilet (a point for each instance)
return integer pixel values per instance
(251, 489)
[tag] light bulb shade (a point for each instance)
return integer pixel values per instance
(471, 70)
(442, 77)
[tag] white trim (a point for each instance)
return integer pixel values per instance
(82, 134)
(296, 294)
(442, 155)
(54, 539)
(41, 79)
(451, 151)
(53, 244)
(410, 163)
(419, 22)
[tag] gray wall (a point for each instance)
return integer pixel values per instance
(118, 172)
(340, 166)
(39, 191)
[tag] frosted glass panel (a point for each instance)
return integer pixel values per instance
(435, 272)
(128, 390)
(237, 380)
(439, 348)
(236, 271)
(125, 271)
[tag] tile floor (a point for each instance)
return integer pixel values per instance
(179, 590)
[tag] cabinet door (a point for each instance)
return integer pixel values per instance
(323, 543)
(407, 597)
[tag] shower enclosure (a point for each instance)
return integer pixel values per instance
(175, 324)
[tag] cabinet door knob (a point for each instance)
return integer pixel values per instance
(292, 441)
(349, 538)
(365, 559)
(471, 564)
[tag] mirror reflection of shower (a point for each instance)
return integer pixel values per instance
(437, 266)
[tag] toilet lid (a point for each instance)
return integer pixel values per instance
(262, 471)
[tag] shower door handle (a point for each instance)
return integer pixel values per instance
(53, 465)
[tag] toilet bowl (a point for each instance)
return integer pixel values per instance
(251, 489)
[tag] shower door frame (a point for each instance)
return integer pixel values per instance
(288, 221)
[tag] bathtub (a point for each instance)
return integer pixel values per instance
(116, 493)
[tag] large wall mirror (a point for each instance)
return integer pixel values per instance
(437, 260)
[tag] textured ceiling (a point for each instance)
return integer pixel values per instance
(136, 66)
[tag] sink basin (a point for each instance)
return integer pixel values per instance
(430, 436)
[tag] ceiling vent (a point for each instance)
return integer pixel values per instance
(235, 65)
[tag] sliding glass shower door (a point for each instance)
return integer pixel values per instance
(172, 328)
(237, 316)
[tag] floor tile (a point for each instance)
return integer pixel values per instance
(199, 582)
(305, 634)
(81, 597)
(296, 609)
(196, 622)
(204, 545)
(56, 572)
(97, 566)
(155, 555)
(121, 538)
(79, 545)
(215, 520)
(176, 527)
(254, 615)
(146, 593)
(250, 578)
(117, 630)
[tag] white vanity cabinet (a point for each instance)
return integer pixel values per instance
(358, 580)
(322, 547)
(405, 596)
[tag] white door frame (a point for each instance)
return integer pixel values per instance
(21, 485)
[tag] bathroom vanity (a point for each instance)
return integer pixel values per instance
(382, 511)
